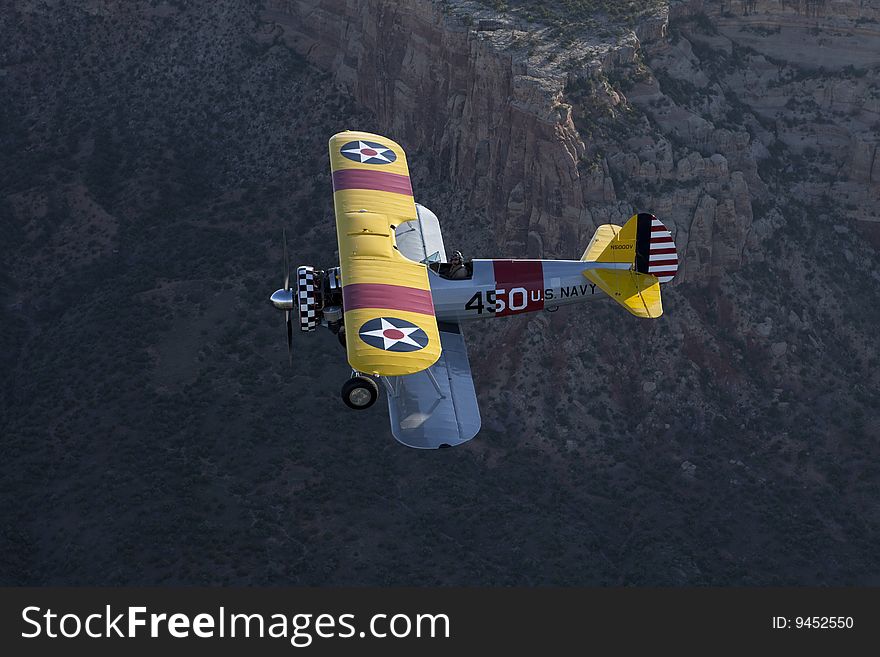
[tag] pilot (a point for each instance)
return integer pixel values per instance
(457, 270)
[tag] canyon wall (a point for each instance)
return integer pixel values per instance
(499, 127)
(553, 140)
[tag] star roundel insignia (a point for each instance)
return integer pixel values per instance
(368, 152)
(392, 334)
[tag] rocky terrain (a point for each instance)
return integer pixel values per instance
(153, 433)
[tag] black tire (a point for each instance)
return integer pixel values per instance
(360, 392)
(341, 336)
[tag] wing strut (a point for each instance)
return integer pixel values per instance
(434, 381)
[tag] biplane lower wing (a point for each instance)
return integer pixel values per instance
(438, 406)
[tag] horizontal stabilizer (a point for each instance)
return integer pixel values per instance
(646, 245)
(638, 293)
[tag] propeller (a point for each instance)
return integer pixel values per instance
(287, 317)
(283, 298)
(286, 260)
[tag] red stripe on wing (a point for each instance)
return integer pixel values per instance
(381, 181)
(391, 297)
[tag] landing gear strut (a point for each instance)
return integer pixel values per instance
(360, 392)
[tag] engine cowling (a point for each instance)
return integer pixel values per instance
(309, 301)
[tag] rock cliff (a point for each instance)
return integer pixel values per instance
(497, 129)
(506, 102)
(751, 128)
(554, 139)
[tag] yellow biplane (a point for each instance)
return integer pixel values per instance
(397, 303)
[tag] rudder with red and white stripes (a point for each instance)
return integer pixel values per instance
(643, 242)
(655, 248)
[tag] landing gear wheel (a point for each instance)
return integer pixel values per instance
(360, 392)
(341, 336)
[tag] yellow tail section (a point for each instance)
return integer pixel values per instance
(613, 243)
(638, 292)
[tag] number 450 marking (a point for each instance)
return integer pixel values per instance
(497, 301)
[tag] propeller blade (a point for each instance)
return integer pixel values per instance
(286, 260)
(289, 337)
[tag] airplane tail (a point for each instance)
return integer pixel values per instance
(644, 244)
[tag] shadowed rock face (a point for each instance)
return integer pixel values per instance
(505, 103)
(497, 129)
(747, 126)
(544, 136)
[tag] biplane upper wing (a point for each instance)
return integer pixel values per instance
(390, 328)
(421, 240)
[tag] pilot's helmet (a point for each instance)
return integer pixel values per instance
(457, 257)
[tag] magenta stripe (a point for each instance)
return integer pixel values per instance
(381, 181)
(391, 297)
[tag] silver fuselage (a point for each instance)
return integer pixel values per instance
(500, 288)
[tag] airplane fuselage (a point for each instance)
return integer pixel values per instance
(500, 288)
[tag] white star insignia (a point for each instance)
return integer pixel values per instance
(390, 342)
(379, 150)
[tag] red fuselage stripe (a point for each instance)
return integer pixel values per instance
(518, 275)
(390, 297)
(381, 181)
